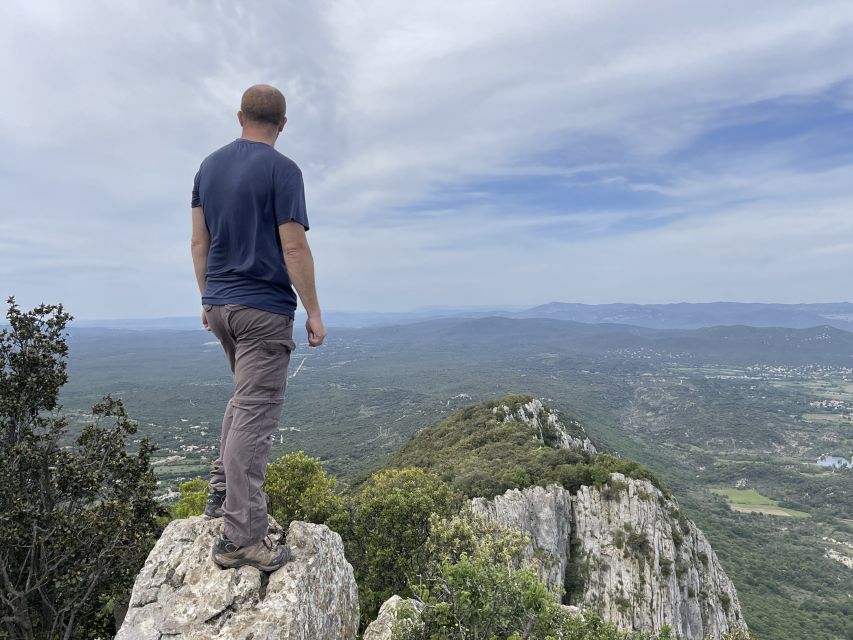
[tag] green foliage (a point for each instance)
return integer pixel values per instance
(300, 489)
(637, 542)
(474, 585)
(612, 489)
(384, 527)
(677, 538)
(193, 498)
(78, 518)
(466, 448)
(725, 601)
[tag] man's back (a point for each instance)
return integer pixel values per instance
(246, 190)
(249, 253)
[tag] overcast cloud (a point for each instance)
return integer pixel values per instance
(454, 152)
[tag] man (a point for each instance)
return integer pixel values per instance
(249, 252)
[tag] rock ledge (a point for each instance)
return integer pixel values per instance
(181, 594)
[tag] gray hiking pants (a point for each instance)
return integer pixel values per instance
(258, 345)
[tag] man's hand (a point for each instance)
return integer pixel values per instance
(316, 330)
(204, 319)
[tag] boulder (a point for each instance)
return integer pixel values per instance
(383, 627)
(183, 595)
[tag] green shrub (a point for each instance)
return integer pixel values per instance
(300, 489)
(726, 602)
(638, 542)
(384, 527)
(193, 497)
(474, 583)
(77, 513)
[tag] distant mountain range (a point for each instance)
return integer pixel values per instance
(684, 315)
(738, 344)
(695, 315)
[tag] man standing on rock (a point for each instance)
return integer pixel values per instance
(249, 252)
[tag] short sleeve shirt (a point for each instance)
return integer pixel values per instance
(246, 190)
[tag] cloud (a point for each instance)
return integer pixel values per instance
(454, 153)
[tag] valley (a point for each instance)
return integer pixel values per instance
(712, 421)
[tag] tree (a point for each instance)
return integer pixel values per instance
(193, 498)
(300, 489)
(384, 527)
(77, 516)
(474, 583)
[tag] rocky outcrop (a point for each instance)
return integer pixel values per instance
(643, 564)
(390, 614)
(627, 552)
(543, 513)
(547, 426)
(181, 594)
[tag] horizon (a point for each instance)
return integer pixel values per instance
(476, 309)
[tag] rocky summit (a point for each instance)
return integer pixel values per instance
(181, 594)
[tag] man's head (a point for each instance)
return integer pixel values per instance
(262, 110)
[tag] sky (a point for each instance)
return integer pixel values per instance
(454, 153)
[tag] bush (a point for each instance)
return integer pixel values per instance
(300, 489)
(475, 585)
(384, 527)
(193, 498)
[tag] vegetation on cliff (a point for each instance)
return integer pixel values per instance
(478, 452)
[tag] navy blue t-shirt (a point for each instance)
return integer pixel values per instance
(246, 189)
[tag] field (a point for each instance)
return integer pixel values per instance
(750, 501)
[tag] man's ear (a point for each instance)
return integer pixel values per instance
(282, 123)
(241, 118)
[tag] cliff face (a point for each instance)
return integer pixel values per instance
(643, 564)
(545, 515)
(625, 551)
(182, 595)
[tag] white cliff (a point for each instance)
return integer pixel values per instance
(626, 552)
(547, 426)
(643, 564)
(545, 515)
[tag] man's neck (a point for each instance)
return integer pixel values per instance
(259, 135)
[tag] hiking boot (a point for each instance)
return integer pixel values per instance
(266, 555)
(213, 508)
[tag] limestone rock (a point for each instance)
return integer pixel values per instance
(383, 626)
(544, 513)
(640, 562)
(181, 594)
(547, 426)
(644, 564)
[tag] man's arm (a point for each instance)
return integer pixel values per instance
(199, 247)
(300, 268)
